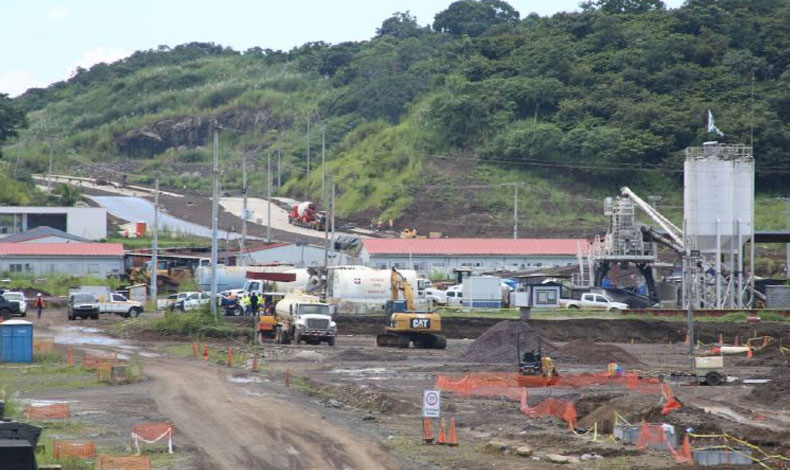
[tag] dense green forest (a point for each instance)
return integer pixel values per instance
(429, 124)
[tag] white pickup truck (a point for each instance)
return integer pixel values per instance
(594, 301)
(110, 302)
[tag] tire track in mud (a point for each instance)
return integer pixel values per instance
(235, 431)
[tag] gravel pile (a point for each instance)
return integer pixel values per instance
(498, 343)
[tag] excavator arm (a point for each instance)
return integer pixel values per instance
(398, 284)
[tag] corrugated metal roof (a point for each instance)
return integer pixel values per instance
(475, 246)
(41, 232)
(61, 249)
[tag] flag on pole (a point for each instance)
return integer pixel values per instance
(712, 125)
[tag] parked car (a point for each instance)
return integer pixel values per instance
(19, 298)
(455, 296)
(8, 308)
(83, 306)
(594, 301)
(186, 301)
(438, 297)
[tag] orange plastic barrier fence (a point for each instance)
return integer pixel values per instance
(107, 462)
(91, 361)
(43, 345)
(56, 411)
(150, 433)
(653, 436)
(103, 371)
(65, 449)
(562, 409)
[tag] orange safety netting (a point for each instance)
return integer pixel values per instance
(43, 345)
(107, 462)
(508, 385)
(55, 411)
(65, 449)
(654, 436)
(562, 409)
(91, 361)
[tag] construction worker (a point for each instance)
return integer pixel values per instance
(254, 304)
(245, 304)
(39, 304)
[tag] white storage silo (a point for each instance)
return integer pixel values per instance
(718, 185)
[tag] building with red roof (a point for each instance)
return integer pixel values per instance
(75, 259)
(428, 255)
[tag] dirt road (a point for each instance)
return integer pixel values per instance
(238, 430)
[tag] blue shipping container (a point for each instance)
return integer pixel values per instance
(16, 341)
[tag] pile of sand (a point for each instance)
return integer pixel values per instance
(584, 351)
(777, 391)
(498, 343)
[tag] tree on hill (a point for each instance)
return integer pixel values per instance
(11, 119)
(474, 17)
(623, 6)
(401, 25)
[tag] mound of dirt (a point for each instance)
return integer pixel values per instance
(584, 351)
(600, 408)
(777, 391)
(498, 343)
(354, 354)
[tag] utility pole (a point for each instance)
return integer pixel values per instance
(155, 245)
(243, 245)
(308, 145)
(326, 245)
(333, 212)
(688, 276)
(323, 167)
(515, 210)
(214, 221)
(279, 160)
(49, 178)
(268, 197)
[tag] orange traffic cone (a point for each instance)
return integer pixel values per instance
(749, 353)
(194, 350)
(254, 367)
(737, 341)
(205, 352)
(70, 357)
(685, 450)
(230, 357)
(441, 440)
(452, 439)
(427, 434)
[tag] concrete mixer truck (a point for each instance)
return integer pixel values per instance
(305, 318)
(306, 214)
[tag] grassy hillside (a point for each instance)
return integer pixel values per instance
(432, 125)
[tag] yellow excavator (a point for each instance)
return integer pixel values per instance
(406, 325)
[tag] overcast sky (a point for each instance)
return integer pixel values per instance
(44, 41)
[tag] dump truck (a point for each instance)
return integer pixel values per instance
(306, 214)
(300, 317)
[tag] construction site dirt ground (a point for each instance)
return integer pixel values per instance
(356, 406)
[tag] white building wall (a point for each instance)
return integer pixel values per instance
(98, 266)
(303, 256)
(426, 265)
(87, 222)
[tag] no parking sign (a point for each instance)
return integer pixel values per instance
(431, 403)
